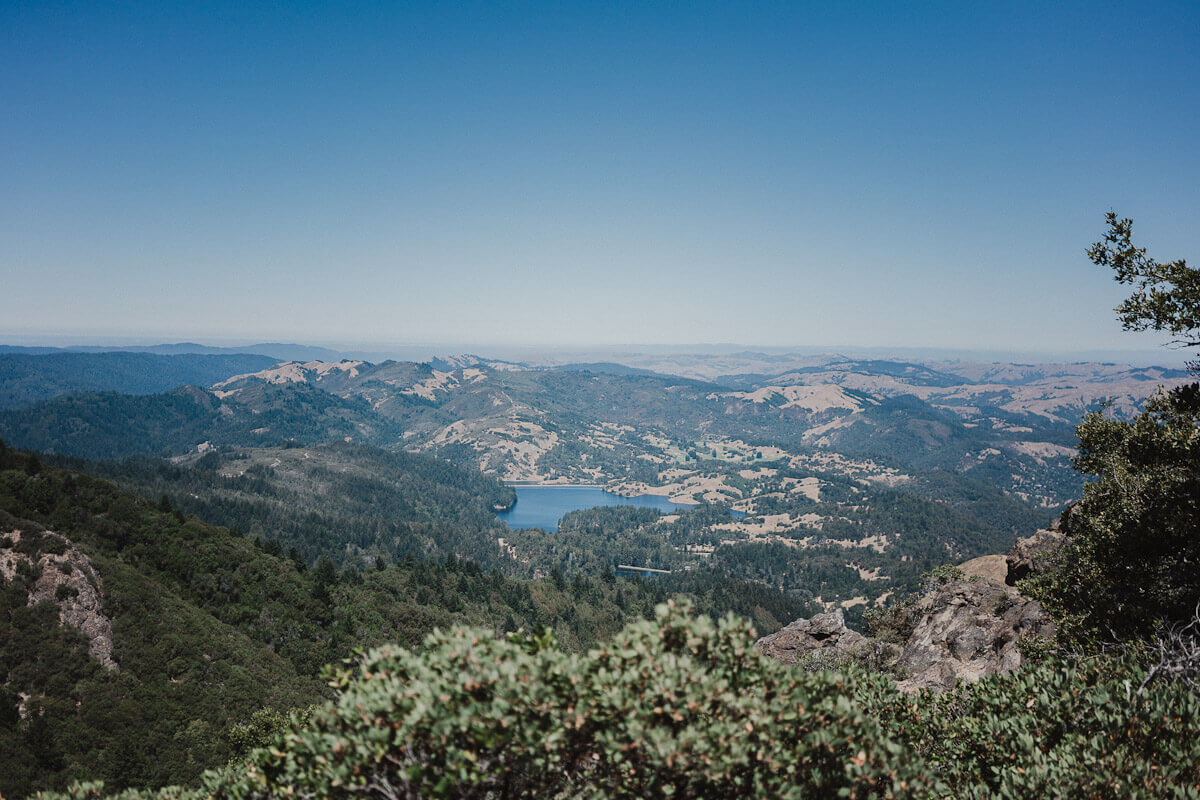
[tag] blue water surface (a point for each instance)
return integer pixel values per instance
(543, 506)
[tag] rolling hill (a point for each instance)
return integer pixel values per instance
(852, 475)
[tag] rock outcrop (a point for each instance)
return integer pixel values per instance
(1033, 554)
(963, 630)
(65, 577)
(1037, 553)
(966, 630)
(993, 568)
(958, 630)
(826, 632)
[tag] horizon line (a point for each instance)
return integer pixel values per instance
(65, 341)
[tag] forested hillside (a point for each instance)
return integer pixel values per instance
(113, 425)
(189, 607)
(359, 506)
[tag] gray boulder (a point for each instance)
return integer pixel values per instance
(966, 630)
(826, 632)
(994, 567)
(1038, 553)
(961, 630)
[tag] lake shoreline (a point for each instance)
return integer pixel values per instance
(529, 484)
(544, 505)
(602, 487)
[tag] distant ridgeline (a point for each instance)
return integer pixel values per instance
(853, 476)
(26, 379)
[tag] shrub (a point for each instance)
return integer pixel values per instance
(1055, 730)
(677, 707)
(684, 707)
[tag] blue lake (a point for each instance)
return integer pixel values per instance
(543, 506)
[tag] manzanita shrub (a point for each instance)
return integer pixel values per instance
(684, 707)
(1051, 730)
(677, 707)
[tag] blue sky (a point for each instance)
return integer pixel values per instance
(582, 174)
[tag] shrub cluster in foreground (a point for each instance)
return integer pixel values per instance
(684, 707)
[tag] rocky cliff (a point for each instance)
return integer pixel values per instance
(1034, 553)
(60, 573)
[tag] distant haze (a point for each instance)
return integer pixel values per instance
(550, 354)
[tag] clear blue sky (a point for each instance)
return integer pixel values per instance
(800, 173)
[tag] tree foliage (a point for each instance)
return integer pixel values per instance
(1166, 294)
(1132, 561)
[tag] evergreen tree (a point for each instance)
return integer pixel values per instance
(1132, 560)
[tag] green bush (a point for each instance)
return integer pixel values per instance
(679, 707)
(684, 707)
(1059, 729)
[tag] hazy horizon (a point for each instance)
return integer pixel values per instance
(549, 353)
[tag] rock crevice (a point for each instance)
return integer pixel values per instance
(966, 630)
